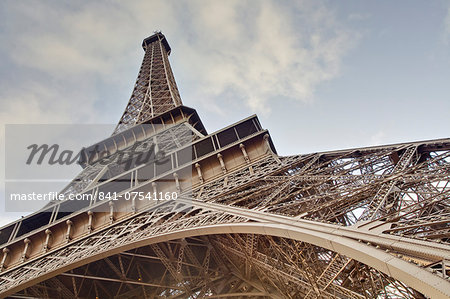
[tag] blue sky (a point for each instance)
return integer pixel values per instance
(321, 75)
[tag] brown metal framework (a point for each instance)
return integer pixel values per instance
(359, 223)
(155, 91)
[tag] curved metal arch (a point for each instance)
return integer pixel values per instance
(413, 276)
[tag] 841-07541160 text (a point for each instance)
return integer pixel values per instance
(131, 195)
(135, 195)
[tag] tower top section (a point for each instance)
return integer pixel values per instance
(155, 91)
(158, 36)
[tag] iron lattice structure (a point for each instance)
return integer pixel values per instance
(359, 223)
(155, 91)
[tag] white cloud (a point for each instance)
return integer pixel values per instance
(263, 51)
(86, 39)
(244, 51)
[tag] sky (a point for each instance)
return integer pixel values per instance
(320, 75)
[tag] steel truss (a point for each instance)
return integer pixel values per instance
(155, 91)
(327, 188)
(360, 223)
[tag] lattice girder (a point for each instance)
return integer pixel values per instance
(358, 223)
(155, 91)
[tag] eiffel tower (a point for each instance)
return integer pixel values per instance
(368, 222)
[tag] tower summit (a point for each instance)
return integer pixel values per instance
(155, 91)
